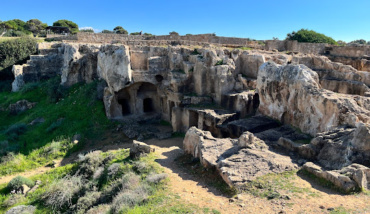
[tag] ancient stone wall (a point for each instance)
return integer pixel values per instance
(165, 39)
(318, 48)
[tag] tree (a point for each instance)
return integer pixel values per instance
(359, 41)
(120, 30)
(35, 26)
(135, 33)
(310, 36)
(341, 43)
(87, 30)
(107, 31)
(73, 27)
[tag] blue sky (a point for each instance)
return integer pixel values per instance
(340, 19)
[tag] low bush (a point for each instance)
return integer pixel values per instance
(55, 91)
(15, 130)
(311, 36)
(89, 200)
(61, 192)
(90, 163)
(16, 183)
(55, 125)
(13, 200)
(156, 178)
(29, 87)
(130, 180)
(130, 198)
(114, 170)
(102, 208)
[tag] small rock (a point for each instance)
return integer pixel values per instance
(76, 138)
(322, 207)
(241, 205)
(25, 189)
(231, 200)
(20, 106)
(37, 120)
(282, 212)
(139, 148)
(330, 209)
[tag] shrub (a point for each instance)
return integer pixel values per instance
(156, 178)
(89, 200)
(15, 130)
(114, 170)
(55, 91)
(219, 62)
(90, 163)
(14, 51)
(98, 173)
(102, 208)
(16, 183)
(130, 180)
(29, 87)
(5, 85)
(55, 125)
(142, 167)
(130, 198)
(61, 192)
(13, 200)
(311, 36)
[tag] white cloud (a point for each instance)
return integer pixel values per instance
(88, 28)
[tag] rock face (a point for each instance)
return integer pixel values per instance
(79, 63)
(114, 66)
(20, 106)
(237, 161)
(293, 95)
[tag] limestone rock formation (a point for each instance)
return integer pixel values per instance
(139, 148)
(114, 66)
(79, 63)
(293, 95)
(349, 178)
(237, 161)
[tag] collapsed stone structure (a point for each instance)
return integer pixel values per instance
(284, 108)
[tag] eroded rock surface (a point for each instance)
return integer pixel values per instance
(20, 106)
(293, 95)
(237, 160)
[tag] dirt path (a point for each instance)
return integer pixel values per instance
(40, 170)
(192, 189)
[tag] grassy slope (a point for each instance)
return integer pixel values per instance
(81, 112)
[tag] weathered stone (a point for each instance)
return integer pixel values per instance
(349, 178)
(114, 66)
(235, 165)
(138, 149)
(20, 106)
(292, 94)
(249, 164)
(37, 121)
(248, 140)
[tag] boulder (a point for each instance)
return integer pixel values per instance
(138, 149)
(22, 209)
(293, 95)
(20, 106)
(349, 178)
(237, 161)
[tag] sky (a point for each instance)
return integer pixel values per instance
(262, 20)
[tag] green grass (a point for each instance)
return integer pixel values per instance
(79, 111)
(274, 185)
(3, 39)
